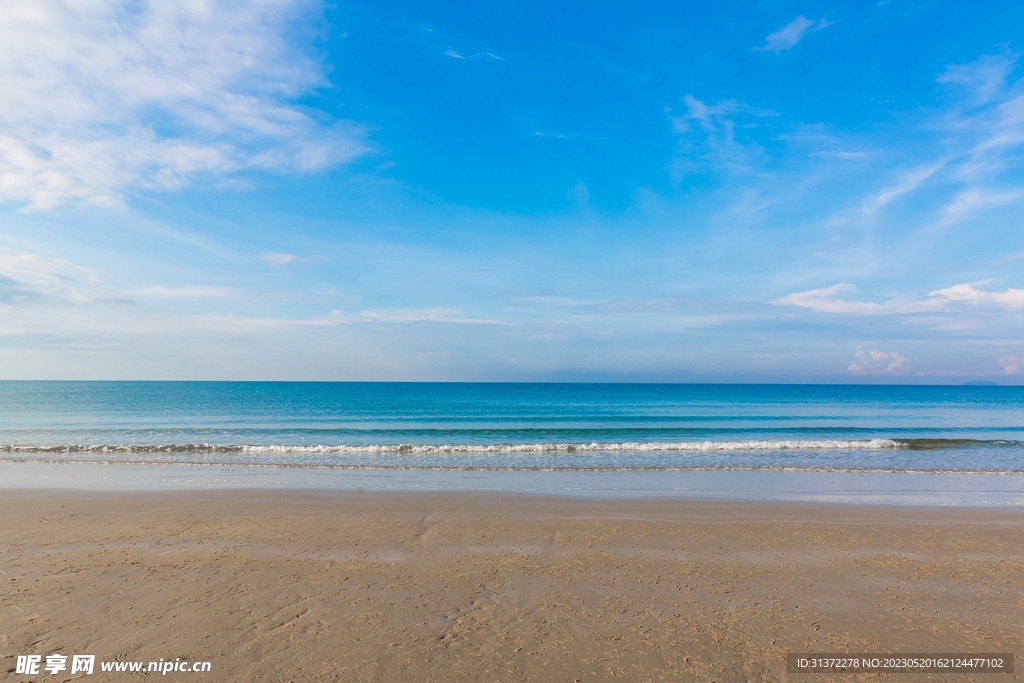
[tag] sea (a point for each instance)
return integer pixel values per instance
(955, 445)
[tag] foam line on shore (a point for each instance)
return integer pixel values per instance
(401, 449)
(512, 468)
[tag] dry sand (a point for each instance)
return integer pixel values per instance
(299, 586)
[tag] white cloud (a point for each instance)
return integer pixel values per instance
(453, 53)
(103, 98)
(1012, 365)
(878, 363)
(832, 300)
(969, 294)
(273, 258)
(791, 34)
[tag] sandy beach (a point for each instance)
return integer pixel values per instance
(316, 585)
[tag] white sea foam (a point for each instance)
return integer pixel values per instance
(630, 446)
(428, 449)
(510, 468)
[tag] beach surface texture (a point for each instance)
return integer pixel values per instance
(319, 585)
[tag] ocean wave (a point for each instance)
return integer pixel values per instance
(444, 449)
(512, 468)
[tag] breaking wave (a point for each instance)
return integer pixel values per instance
(427, 449)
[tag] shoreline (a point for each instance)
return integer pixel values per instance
(807, 510)
(938, 489)
(397, 586)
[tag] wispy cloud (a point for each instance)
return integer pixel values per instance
(984, 79)
(187, 292)
(791, 34)
(831, 300)
(968, 202)
(527, 294)
(1016, 257)
(455, 54)
(28, 278)
(960, 164)
(987, 130)
(707, 134)
(969, 149)
(273, 258)
(107, 98)
(335, 318)
(834, 300)
(840, 154)
(439, 315)
(908, 181)
(40, 295)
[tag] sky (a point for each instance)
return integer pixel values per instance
(764, 191)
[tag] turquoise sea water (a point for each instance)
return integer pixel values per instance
(517, 427)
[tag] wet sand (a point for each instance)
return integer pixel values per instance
(316, 585)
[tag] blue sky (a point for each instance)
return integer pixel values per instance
(269, 189)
